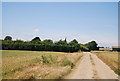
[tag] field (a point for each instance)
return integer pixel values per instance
(110, 58)
(37, 64)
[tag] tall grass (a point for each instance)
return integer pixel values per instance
(48, 59)
(53, 60)
(67, 62)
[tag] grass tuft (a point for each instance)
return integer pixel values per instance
(35, 60)
(117, 71)
(49, 59)
(66, 62)
(53, 60)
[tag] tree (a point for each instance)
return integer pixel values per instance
(92, 45)
(18, 41)
(83, 47)
(47, 45)
(36, 39)
(47, 41)
(60, 42)
(73, 42)
(65, 40)
(75, 45)
(8, 38)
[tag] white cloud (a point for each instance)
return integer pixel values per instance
(36, 30)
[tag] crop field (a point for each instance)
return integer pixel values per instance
(37, 64)
(110, 58)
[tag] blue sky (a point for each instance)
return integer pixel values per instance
(0, 19)
(84, 21)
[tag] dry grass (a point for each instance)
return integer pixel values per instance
(28, 64)
(110, 58)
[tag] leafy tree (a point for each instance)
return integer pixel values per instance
(92, 45)
(47, 45)
(60, 42)
(65, 40)
(74, 45)
(83, 47)
(36, 39)
(18, 41)
(8, 38)
(47, 41)
(74, 42)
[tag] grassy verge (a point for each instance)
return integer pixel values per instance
(110, 58)
(38, 65)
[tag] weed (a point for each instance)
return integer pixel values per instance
(32, 76)
(117, 71)
(49, 59)
(66, 62)
(45, 59)
(53, 60)
(35, 60)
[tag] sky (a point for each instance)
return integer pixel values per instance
(0, 19)
(60, 0)
(84, 21)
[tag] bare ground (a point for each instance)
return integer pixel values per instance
(91, 67)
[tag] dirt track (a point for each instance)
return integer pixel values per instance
(91, 67)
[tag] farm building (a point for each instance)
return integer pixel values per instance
(104, 49)
(116, 48)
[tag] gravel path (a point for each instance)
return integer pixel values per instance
(91, 67)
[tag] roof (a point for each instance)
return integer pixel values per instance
(116, 47)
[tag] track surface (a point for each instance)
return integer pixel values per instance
(91, 67)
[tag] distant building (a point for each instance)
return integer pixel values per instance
(104, 49)
(116, 48)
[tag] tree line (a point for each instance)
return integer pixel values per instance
(47, 45)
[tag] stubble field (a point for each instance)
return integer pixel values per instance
(37, 64)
